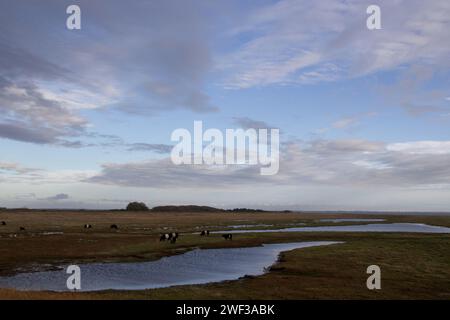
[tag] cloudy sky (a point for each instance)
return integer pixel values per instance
(86, 115)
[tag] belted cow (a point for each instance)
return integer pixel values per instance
(114, 227)
(204, 233)
(173, 236)
(163, 237)
(228, 236)
(87, 226)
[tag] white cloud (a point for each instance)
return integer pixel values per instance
(421, 147)
(268, 72)
(344, 123)
(16, 168)
(351, 121)
(371, 164)
(14, 173)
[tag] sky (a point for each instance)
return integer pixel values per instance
(86, 115)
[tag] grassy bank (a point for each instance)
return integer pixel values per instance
(413, 265)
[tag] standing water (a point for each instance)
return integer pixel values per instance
(194, 267)
(373, 227)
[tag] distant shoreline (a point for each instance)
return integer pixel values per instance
(206, 209)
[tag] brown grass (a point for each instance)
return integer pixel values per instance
(413, 265)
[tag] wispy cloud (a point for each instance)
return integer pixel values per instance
(248, 123)
(281, 50)
(57, 197)
(158, 148)
(337, 162)
(415, 92)
(15, 168)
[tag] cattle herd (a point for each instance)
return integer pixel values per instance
(3, 223)
(227, 236)
(171, 237)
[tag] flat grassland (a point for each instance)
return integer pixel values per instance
(414, 266)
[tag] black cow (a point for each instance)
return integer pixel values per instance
(87, 226)
(3, 223)
(205, 233)
(22, 229)
(228, 236)
(114, 227)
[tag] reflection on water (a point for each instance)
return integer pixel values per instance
(375, 227)
(194, 267)
(352, 220)
(237, 226)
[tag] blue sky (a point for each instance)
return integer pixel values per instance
(86, 115)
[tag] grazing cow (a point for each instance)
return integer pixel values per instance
(88, 226)
(3, 223)
(173, 236)
(22, 229)
(164, 237)
(114, 226)
(205, 233)
(228, 236)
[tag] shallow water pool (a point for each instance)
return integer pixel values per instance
(194, 267)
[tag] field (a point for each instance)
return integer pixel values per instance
(414, 266)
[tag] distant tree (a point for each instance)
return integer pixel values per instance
(137, 206)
